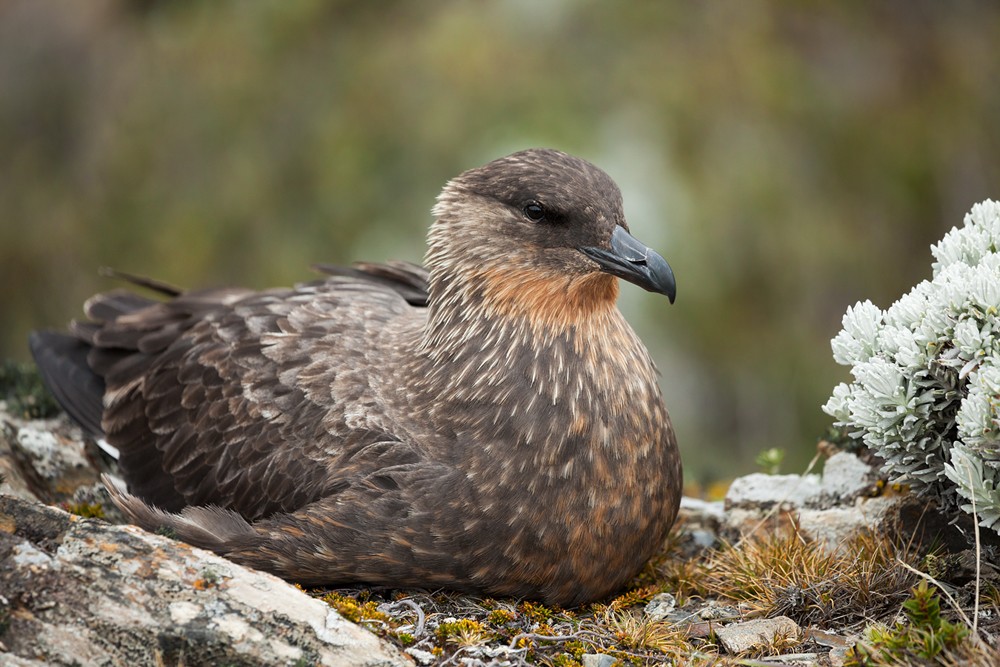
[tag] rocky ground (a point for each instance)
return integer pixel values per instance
(789, 570)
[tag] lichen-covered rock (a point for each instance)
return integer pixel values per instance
(80, 591)
(45, 459)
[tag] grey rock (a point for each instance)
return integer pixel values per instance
(756, 634)
(714, 611)
(682, 617)
(81, 591)
(838, 657)
(597, 660)
(12, 479)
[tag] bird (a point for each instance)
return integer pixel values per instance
(487, 423)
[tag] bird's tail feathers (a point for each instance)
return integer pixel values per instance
(211, 527)
(62, 363)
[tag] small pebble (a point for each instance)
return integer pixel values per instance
(660, 606)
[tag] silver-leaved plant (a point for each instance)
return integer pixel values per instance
(926, 389)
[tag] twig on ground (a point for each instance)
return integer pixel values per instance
(979, 557)
(406, 602)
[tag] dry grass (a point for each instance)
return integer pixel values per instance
(783, 574)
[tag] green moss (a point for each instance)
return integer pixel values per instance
(85, 510)
(210, 576)
(501, 617)
(26, 396)
(355, 610)
(535, 611)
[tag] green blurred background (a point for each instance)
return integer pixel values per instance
(788, 158)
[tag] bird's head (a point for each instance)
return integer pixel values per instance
(540, 233)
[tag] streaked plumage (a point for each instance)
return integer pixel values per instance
(488, 424)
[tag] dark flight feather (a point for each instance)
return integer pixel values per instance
(489, 423)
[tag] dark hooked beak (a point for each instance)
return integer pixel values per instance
(631, 260)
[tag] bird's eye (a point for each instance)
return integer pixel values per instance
(534, 211)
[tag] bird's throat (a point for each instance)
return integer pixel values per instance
(551, 302)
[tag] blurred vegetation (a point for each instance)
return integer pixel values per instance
(21, 388)
(788, 158)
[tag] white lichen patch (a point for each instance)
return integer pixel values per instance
(183, 612)
(27, 555)
(49, 456)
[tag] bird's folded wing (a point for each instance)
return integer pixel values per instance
(409, 280)
(224, 396)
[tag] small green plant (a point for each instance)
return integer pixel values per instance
(209, 579)
(538, 613)
(21, 386)
(925, 635)
(404, 638)
(167, 531)
(770, 460)
(462, 631)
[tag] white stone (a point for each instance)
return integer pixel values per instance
(762, 491)
(92, 581)
(49, 455)
(26, 555)
(421, 656)
(703, 509)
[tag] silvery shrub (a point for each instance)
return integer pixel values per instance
(926, 390)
